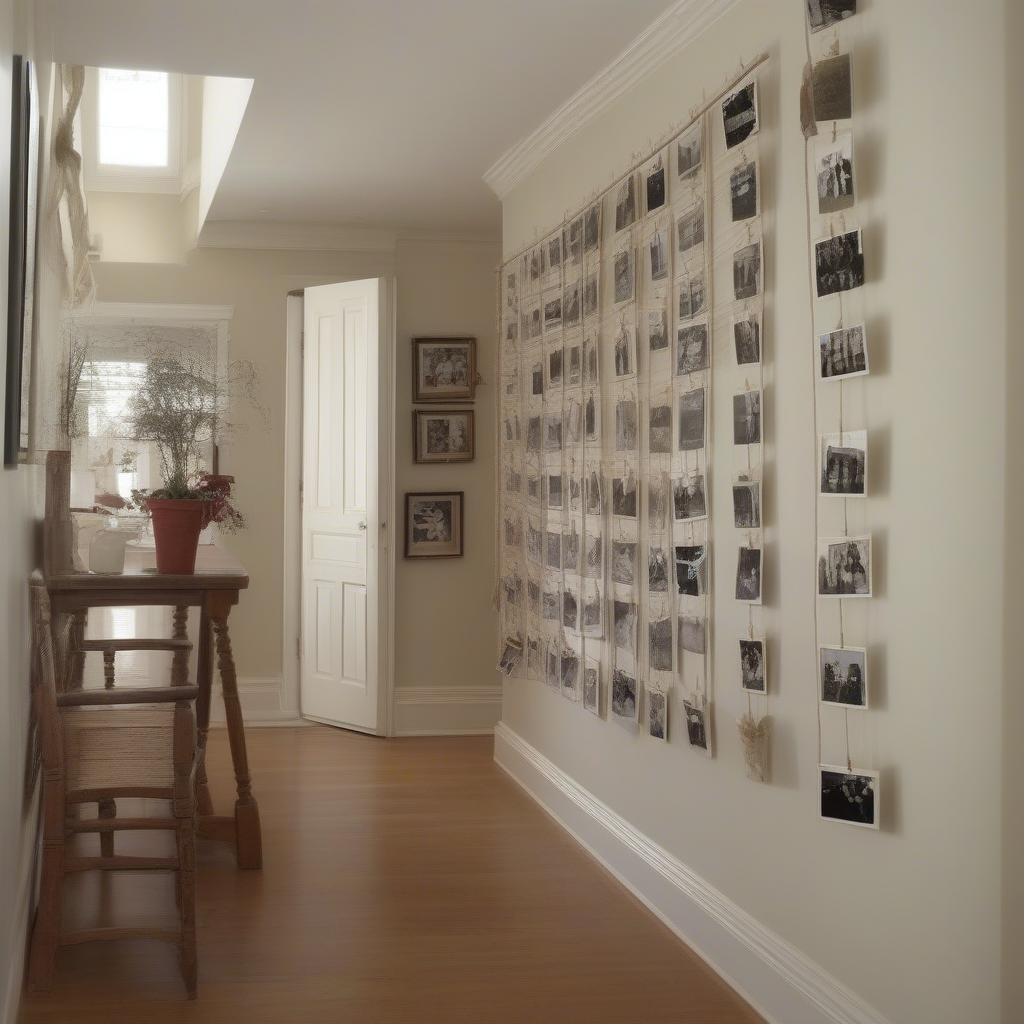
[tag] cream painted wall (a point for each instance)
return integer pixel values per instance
(909, 918)
(137, 227)
(444, 625)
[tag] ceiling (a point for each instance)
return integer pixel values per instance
(378, 112)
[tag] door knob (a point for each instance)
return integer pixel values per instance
(362, 526)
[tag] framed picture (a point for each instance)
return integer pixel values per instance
(21, 265)
(443, 369)
(443, 435)
(851, 796)
(433, 524)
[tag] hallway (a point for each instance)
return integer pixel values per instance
(405, 881)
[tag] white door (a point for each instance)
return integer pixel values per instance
(342, 528)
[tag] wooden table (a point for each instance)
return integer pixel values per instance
(213, 588)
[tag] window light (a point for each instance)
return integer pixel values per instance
(134, 116)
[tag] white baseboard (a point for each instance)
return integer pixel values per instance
(262, 702)
(446, 710)
(779, 981)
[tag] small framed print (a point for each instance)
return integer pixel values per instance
(850, 795)
(753, 672)
(433, 524)
(443, 435)
(443, 369)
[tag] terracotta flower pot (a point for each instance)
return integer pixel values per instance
(177, 523)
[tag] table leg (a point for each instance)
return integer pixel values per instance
(76, 656)
(249, 844)
(179, 663)
(204, 677)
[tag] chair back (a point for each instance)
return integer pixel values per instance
(43, 677)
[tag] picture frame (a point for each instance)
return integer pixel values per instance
(443, 369)
(851, 796)
(434, 524)
(443, 435)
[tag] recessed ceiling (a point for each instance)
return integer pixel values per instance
(380, 112)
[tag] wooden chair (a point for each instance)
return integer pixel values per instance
(105, 745)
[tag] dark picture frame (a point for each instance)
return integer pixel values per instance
(421, 441)
(417, 525)
(457, 357)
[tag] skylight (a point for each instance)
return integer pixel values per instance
(133, 118)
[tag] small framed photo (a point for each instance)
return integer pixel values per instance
(851, 796)
(844, 566)
(739, 115)
(844, 464)
(743, 191)
(746, 504)
(843, 353)
(697, 724)
(838, 263)
(843, 674)
(753, 670)
(443, 435)
(833, 170)
(434, 524)
(748, 575)
(444, 369)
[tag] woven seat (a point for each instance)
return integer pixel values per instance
(118, 749)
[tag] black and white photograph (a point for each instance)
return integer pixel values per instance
(513, 524)
(844, 567)
(625, 350)
(443, 436)
(533, 596)
(746, 332)
(748, 575)
(444, 369)
(623, 268)
(574, 365)
(692, 292)
(592, 227)
(570, 609)
(590, 357)
(537, 379)
(691, 349)
(624, 562)
(554, 490)
(533, 434)
(627, 434)
(657, 713)
(688, 150)
(753, 675)
(691, 420)
(552, 253)
(572, 422)
(624, 618)
(593, 556)
(746, 505)
(690, 228)
(593, 492)
(659, 644)
(746, 271)
(590, 294)
(433, 524)
(660, 436)
(844, 676)
(511, 656)
(822, 14)
(551, 602)
(688, 498)
(554, 363)
(625, 203)
(851, 797)
(743, 191)
(511, 333)
(571, 549)
(592, 418)
(535, 263)
(624, 495)
(838, 263)
(691, 569)
(657, 247)
(552, 672)
(572, 244)
(592, 686)
(657, 330)
(844, 464)
(739, 115)
(654, 184)
(843, 353)
(553, 433)
(695, 711)
(534, 542)
(513, 427)
(534, 658)
(692, 634)
(553, 549)
(624, 695)
(657, 569)
(571, 303)
(592, 623)
(513, 477)
(746, 418)
(657, 501)
(833, 89)
(570, 674)
(833, 168)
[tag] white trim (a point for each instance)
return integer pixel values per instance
(262, 700)
(448, 695)
(446, 710)
(679, 26)
(158, 311)
(292, 501)
(780, 982)
(293, 236)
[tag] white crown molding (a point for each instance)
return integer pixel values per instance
(98, 312)
(428, 237)
(779, 981)
(294, 236)
(680, 25)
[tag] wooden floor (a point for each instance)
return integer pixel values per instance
(405, 881)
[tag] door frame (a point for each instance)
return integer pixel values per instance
(388, 536)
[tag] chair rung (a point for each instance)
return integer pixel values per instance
(91, 796)
(123, 824)
(120, 863)
(111, 934)
(137, 644)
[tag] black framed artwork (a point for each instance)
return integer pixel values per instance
(433, 524)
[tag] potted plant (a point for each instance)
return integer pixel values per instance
(180, 406)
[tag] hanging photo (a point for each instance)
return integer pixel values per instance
(572, 245)
(446, 435)
(747, 336)
(590, 294)
(844, 676)
(592, 227)
(570, 674)
(692, 295)
(838, 263)
(743, 191)
(655, 184)
(660, 430)
(843, 353)
(746, 505)
(844, 567)
(571, 550)
(592, 686)
(593, 557)
(433, 524)
(688, 498)
(657, 330)
(534, 658)
(692, 635)
(553, 313)
(624, 695)
(593, 612)
(511, 656)
(690, 228)
(444, 369)
(739, 115)
(623, 268)
(574, 367)
(658, 252)
(624, 562)
(688, 150)
(695, 710)
(691, 420)
(570, 609)
(592, 418)
(624, 502)
(657, 569)
(551, 601)
(553, 433)
(591, 374)
(850, 796)
(753, 674)
(553, 670)
(625, 203)
(833, 89)
(692, 353)
(625, 614)
(657, 712)
(844, 464)
(746, 418)
(626, 427)
(746, 271)
(551, 252)
(657, 501)
(554, 490)
(534, 542)
(571, 303)
(593, 492)
(833, 169)
(822, 14)
(625, 350)
(553, 547)
(691, 569)
(748, 575)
